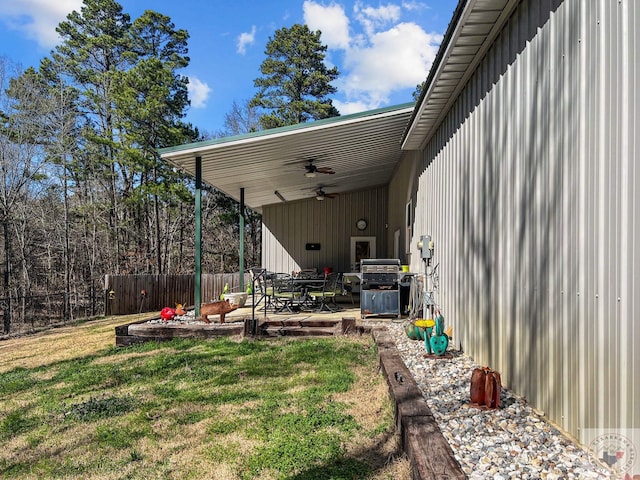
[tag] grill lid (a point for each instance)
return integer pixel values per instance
(380, 265)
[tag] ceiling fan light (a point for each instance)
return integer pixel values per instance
(319, 197)
(310, 174)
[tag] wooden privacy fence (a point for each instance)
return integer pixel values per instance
(126, 294)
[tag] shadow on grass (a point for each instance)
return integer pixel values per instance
(361, 464)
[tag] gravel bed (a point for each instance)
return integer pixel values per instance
(512, 442)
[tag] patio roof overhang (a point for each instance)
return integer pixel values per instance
(473, 28)
(363, 149)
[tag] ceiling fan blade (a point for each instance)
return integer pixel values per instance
(327, 170)
(321, 194)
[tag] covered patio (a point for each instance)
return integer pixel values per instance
(321, 187)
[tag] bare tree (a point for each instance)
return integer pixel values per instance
(21, 154)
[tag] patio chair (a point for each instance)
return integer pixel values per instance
(286, 295)
(262, 285)
(345, 288)
(306, 281)
(327, 295)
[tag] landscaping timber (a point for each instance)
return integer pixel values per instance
(273, 327)
(140, 332)
(428, 451)
(144, 331)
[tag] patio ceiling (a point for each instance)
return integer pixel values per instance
(472, 30)
(363, 150)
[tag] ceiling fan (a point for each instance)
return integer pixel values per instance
(311, 170)
(321, 194)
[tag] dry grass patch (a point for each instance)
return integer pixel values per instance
(123, 357)
(378, 444)
(64, 343)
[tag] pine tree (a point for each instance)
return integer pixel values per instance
(133, 101)
(296, 82)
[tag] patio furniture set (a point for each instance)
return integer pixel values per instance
(305, 291)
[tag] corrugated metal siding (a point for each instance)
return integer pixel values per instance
(288, 227)
(529, 188)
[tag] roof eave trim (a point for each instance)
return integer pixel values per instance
(413, 140)
(453, 31)
(193, 148)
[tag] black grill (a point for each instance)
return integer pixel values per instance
(380, 292)
(380, 273)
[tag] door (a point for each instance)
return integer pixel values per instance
(361, 247)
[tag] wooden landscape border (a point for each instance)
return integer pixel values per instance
(142, 331)
(429, 453)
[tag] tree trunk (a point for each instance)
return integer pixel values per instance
(66, 308)
(7, 276)
(158, 234)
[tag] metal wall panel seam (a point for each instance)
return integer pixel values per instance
(600, 255)
(552, 107)
(634, 152)
(624, 292)
(614, 206)
(569, 353)
(583, 241)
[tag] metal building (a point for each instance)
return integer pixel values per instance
(524, 171)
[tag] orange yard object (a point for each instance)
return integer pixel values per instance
(221, 308)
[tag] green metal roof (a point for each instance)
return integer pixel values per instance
(362, 148)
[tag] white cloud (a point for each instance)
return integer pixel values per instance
(374, 18)
(413, 6)
(246, 38)
(198, 92)
(345, 108)
(395, 59)
(331, 20)
(385, 57)
(38, 19)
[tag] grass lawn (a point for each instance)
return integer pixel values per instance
(74, 406)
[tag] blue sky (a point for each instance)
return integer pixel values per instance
(382, 49)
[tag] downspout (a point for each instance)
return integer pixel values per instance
(241, 263)
(197, 293)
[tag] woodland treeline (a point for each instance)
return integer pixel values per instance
(83, 191)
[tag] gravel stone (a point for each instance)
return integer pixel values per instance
(512, 442)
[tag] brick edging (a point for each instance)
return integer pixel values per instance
(428, 451)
